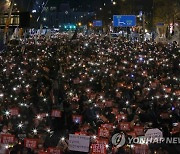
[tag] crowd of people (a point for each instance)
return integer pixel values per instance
(54, 86)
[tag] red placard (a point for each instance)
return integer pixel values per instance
(103, 132)
(153, 85)
(100, 104)
(75, 99)
(118, 94)
(103, 118)
(139, 130)
(120, 117)
(7, 138)
(42, 115)
(101, 141)
(133, 134)
(56, 113)
(114, 111)
(167, 90)
(14, 111)
(92, 96)
(125, 126)
(80, 133)
(30, 143)
(77, 119)
(175, 130)
(108, 103)
(75, 106)
(177, 92)
(164, 115)
(120, 84)
(43, 152)
(76, 81)
(140, 149)
(84, 128)
(98, 149)
(108, 126)
(52, 150)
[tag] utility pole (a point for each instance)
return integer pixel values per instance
(143, 18)
(8, 21)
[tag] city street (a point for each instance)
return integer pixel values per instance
(95, 77)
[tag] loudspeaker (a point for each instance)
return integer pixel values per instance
(24, 20)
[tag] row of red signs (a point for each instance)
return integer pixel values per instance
(54, 113)
(104, 130)
(29, 143)
(51, 151)
(99, 147)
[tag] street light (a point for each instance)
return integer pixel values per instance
(114, 3)
(90, 24)
(79, 24)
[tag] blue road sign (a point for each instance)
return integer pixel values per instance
(124, 20)
(97, 23)
(160, 24)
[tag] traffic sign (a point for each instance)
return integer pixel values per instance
(124, 20)
(97, 23)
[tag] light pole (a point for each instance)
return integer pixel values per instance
(143, 19)
(8, 21)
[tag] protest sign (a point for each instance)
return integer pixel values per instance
(30, 143)
(7, 138)
(79, 143)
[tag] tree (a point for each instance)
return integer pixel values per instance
(166, 11)
(4, 5)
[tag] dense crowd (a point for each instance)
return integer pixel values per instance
(54, 86)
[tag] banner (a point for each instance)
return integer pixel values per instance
(79, 143)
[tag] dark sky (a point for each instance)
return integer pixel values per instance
(78, 5)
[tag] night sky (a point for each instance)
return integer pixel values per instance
(81, 5)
